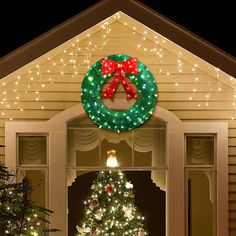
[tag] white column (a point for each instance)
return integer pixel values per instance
(222, 181)
(10, 150)
(57, 178)
(175, 197)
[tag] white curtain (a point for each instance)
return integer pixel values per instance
(200, 151)
(144, 140)
(32, 150)
(153, 140)
(82, 140)
(159, 158)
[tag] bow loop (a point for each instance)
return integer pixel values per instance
(130, 66)
(108, 66)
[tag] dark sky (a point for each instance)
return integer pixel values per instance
(22, 21)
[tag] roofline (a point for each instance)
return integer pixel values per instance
(134, 9)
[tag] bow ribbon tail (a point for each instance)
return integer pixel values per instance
(130, 91)
(109, 91)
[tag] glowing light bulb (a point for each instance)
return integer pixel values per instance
(111, 159)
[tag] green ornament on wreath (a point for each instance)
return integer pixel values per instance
(123, 69)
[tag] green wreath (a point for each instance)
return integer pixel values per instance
(122, 68)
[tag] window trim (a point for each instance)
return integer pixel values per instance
(203, 167)
(220, 130)
(44, 167)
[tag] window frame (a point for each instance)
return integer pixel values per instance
(25, 167)
(200, 167)
(220, 131)
(100, 166)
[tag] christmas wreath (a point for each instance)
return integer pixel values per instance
(124, 70)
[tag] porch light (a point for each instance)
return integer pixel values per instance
(111, 159)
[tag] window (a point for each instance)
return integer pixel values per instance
(33, 164)
(141, 154)
(87, 145)
(206, 178)
(200, 184)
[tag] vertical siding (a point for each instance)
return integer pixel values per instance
(191, 94)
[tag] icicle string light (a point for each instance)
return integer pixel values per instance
(53, 69)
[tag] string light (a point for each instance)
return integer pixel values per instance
(109, 190)
(32, 79)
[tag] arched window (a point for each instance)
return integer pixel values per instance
(141, 154)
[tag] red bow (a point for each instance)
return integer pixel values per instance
(120, 68)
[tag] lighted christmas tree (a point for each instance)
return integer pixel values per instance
(110, 209)
(18, 215)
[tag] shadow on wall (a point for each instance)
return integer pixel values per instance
(149, 199)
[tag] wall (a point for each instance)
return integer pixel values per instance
(52, 84)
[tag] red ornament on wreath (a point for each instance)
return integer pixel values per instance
(108, 189)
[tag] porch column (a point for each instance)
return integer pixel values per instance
(57, 178)
(175, 184)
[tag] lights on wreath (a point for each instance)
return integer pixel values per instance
(119, 120)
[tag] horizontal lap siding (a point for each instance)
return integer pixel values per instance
(191, 94)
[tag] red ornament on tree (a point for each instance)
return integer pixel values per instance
(120, 68)
(108, 189)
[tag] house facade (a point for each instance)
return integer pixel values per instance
(188, 145)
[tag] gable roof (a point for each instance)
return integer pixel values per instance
(105, 9)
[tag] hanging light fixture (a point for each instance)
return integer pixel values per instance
(111, 159)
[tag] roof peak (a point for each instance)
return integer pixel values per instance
(135, 10)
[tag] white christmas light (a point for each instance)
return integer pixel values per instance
(129, 185)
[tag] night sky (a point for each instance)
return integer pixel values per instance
(214, 22)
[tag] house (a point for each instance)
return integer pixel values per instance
(192, 158)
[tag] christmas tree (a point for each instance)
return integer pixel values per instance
(110, 209)
(18, 215)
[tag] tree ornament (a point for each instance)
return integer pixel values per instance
(112, 223)
(94, 231)
(122, 69)
(131, 194)
(108, 189)
(128, 211)
(128, 185)
(95, 202)
(99, 214)
(94, 186)
(91, 207)
(83, 229)
(141, 232)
